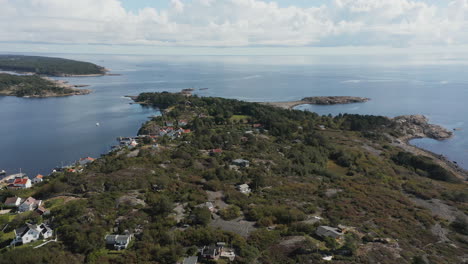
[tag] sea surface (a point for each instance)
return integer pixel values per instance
(37, 135)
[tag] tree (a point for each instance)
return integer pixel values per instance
(201, 216)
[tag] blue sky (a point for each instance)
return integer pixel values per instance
(216, 26)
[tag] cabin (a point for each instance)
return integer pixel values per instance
(38, 179)
(12, 201)
(29, 204)
(241, 163)
(208, 205)
(327, 231)
(244, 188)
(31, 233)
(118, 242)
(215, 151)
(42, 211)
(85, 161)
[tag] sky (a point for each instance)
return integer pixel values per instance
(232, 26)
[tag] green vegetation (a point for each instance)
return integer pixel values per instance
(424, 166)
(48, 66)
(31, 85)
(347, 174)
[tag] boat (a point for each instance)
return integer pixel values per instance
(97, 124)
(2, 172)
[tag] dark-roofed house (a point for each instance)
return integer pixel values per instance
(118, 242)
(210, 252)
(241, 163)
(327, 231)
(190, 260)
(13, 201)
(30, 233)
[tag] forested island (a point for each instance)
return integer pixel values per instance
(227, 181)
(49, 66)
(319, 100)
(36, 86)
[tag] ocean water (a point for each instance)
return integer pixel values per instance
(39, 134)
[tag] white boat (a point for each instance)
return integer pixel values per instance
(97, 124)
(2, 172)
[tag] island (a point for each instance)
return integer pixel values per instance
(36, 86)
(31, 76)
(216, 180)
(319, 100)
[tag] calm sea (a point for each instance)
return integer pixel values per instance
(39, 134)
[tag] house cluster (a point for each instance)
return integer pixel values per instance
(31, 232)
(215, 252)
(118, 242)
(26, 205)
(172, 132)
(128, 142)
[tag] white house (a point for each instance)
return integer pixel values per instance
(30, 233)
(20, 183)
(38, 179)
(244, 188)
(118, 242)
(29, 204)
(327, 231)
(13, 201)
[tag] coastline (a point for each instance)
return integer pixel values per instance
(440, 159)
(428, 130)
(64, 85)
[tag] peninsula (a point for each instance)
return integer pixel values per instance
(33, 72)
(49, 66)
(319, 100)
(222, 178)
(36, 86)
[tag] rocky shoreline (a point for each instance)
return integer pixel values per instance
(418, 126)
(319, 100)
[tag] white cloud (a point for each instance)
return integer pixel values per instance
(236, 23)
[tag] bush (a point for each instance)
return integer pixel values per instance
(230, 212)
